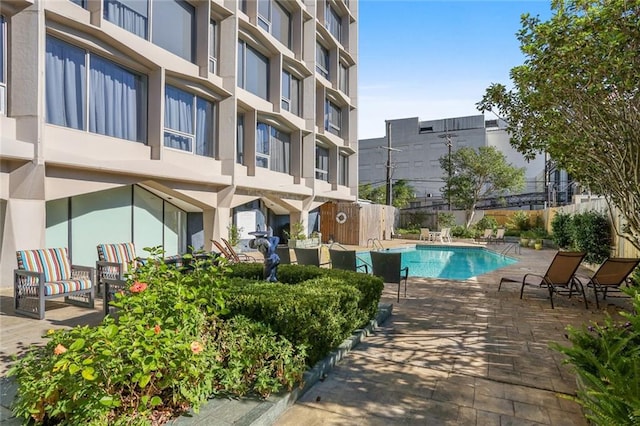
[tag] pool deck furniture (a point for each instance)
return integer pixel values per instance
(499, 236)
(388, 266)
(284, 252)
(486, 236)
(424, 234)
(45, 274)
(560, 276)
(237, 257)
(114, 260)
(347, 260)
(444, 235)
(610, 276)
(308, 256)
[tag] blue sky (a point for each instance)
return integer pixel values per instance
(434, 59)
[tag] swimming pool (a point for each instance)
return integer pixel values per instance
(453, 263)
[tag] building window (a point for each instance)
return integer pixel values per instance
(81, 3)
(290, 93)
(333, 118)
(333, 22)
(343, 170)
(273, 148)
(343, 79)
(172, 22)
(276, 20)
(322, 163)
(188, 122)
(3, 65)
(322, 60)
(253, 70)
(117, 96)
(240, 140)
(213, 46)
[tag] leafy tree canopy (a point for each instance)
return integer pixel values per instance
(402, 193)
(472, 175)
(577, 97)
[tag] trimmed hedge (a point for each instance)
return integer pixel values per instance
(311, 306)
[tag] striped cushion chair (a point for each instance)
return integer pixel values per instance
(114, 260)
(46, 274)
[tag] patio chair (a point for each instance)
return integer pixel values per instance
(560, 276)
(308, 256)
(388, 266)
(45, 274)
(610, 276)
(284, 252)
(424, 234)
(237, 257)
(444, 235)
(114, 260)
(486, 236)
(347, 260)
(498, 237)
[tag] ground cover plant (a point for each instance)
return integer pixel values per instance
(606, 360)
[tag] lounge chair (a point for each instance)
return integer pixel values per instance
(347, 260)
(114, 261)
(237, 257)
(486, 236)
(444, 235)
(498, 237)
(284, 252)
(424, 234)
(388, 266)
(560, 276)
(610, 276)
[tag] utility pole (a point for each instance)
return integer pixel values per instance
(389, 183)
(448, 137)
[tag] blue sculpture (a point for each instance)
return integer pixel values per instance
(267, 246)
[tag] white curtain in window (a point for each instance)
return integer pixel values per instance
(178, 115)
(65, 76)
(114, 101)
(262, 139)
(128, 14)
(204, 128)
(280, 151)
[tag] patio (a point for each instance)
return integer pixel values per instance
(452, 352)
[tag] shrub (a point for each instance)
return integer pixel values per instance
(520, 220)
(319, 314)
(304, 293)
(446, 220)
(460, 231)
(606, 359)
(485, 223)
(165, 352)
(592, 235)
(562, 228)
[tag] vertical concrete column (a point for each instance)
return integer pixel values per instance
(203, 16)
(296, 156)
(250, 123)
(155, 114)
(333, 167)
(222, 215)
(208, 224)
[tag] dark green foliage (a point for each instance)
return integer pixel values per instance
(592, 234)
(562, 228)
(319, 314)
(459, 231)
(606, 358)
(317, 307)
(485, 223)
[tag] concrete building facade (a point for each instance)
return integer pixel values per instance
(414, 148)
(164, 122)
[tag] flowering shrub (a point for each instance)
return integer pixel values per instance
(165, 352)
(606, 359)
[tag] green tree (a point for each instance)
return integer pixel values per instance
(402, 193)
(374, 194)
(577, 97)
(472, 175)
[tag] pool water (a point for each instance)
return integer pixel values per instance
(453, 263)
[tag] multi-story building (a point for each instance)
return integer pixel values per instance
(163, 122)
(411, 150)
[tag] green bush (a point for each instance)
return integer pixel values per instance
(562, 228)
(162, 353)
(487, 222)
(520, 220)
(592, 235)
(606, 359)
(460, 231)
(302, 294)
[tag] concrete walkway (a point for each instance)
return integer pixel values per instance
(453, 352)
(457, 353)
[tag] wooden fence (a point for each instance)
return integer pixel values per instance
(356, 224)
